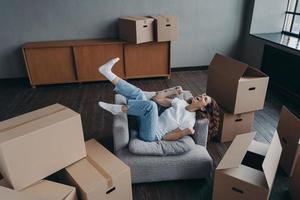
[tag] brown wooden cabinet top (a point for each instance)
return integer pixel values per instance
(64, 43)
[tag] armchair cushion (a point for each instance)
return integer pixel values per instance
(160, 148)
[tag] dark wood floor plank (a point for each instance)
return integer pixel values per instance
(18, 97)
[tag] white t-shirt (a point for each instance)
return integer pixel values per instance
(175, 117)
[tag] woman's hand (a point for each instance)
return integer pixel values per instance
(189, 131)
(179, 90)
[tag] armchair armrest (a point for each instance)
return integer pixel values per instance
(120, 126)
(201, 132)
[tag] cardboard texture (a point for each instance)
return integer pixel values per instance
(294, 181)
(289, 133)
(236, 86)
(232, 125)
(49, 190)
(165, 28)
(39, 143)
(9, 194)
(101, 175)
(248, 169)
(4, 183)
(136, 29)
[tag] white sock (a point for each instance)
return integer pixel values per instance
(105, 69)
(112, 108)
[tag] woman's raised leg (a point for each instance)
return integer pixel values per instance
(121, 86)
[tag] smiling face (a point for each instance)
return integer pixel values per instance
(201, 101)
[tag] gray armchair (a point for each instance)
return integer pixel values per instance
(194, 164)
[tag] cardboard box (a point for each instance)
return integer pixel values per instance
(101, 175)
(289, 133)
(232, 125)
(4, 183)
(136, 29)
(9, 194)
(39, 143)
(165, 28)
(49, 190)
(236, 86)
(46, 190)
(294, 181)
(248, 169)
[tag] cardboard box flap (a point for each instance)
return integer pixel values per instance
(287, 128)
(104, 161)
(227, 66)
(37, 124)
(258, 148)
(30, 116)
(135, 18)
(236, 152)
(271, 160)
(253, 72)
(166, 18)
(49, 189)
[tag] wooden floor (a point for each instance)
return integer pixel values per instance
(17, 97)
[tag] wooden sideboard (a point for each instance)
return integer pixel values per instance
(72, 61)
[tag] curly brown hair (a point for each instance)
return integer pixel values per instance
(211, 113)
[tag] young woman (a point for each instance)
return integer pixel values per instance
(175, 122)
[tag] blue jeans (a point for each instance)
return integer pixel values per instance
(138, 105)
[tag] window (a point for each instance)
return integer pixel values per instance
(292, 19)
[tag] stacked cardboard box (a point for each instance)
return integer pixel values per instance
(46, 190)
(248, 169)
(240, 90)
(9, 194)
(40, 143)
(139, 29)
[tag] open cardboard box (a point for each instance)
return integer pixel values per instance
(294, 182)
(136, 29)
(100, 176)
(165, 28)
(236, 86)
(289, 133)
(232, 125)
(248, 169)
(39, 143)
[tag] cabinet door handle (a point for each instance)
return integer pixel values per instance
(252, 88)
(168, 24)
(238, 120)
(145, 26)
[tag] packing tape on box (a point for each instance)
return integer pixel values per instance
(40, 117)
(102, 172)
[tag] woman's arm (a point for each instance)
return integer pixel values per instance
(177, 134)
